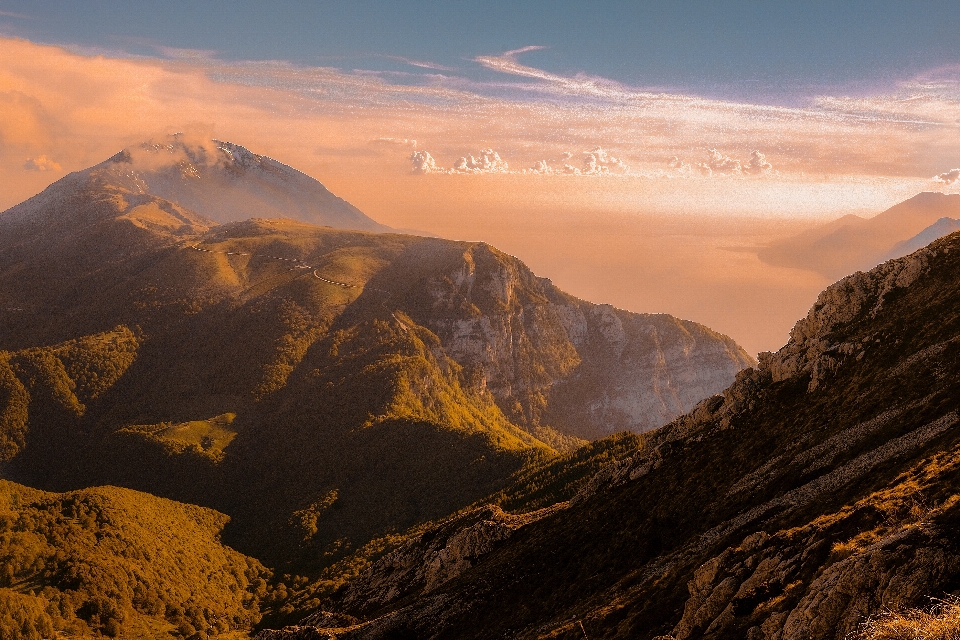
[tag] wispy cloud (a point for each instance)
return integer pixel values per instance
(420, 63)
(11, 14)
(41, 163)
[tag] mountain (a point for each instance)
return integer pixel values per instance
(821, 488)
(322, 388)
(221, 181)
(940, 228)
(853, 244)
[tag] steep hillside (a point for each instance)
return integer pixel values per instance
(853, 243)
(820, 488)
(117, 562)
(322, 387)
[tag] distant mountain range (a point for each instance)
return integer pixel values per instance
(326, 389)
(852, 243)
(940, 228)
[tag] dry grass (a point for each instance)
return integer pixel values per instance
(941, 621)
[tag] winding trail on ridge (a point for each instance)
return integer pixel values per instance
(301, 265)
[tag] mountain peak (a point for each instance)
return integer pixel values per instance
(219, 180)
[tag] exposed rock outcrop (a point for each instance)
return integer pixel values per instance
(551, 359)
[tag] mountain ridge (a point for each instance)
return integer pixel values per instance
(221, 181)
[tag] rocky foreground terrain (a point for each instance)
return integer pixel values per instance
(821, 488)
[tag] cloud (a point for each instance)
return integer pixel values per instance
(420, 63)
(596, 162)
(195, 144)
(948, 177)
(540, 168)
(721, 164)
(177, 53)
(80, 109)
(515, 52)
(757, 164)
(423, 163)
(486, 161)
(394, 142)
(41, 163)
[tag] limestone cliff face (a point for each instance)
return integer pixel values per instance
(551, 359)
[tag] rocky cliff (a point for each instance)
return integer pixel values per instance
(820, 488)
(552, 360)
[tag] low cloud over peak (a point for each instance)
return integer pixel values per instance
(41, 163)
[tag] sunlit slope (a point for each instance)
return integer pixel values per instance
(118, 562)
(820, 488)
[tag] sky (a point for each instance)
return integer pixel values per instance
(668, 130)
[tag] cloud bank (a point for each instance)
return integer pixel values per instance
(595, 162)
(719, 163)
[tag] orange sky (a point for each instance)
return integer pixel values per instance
(640, 227)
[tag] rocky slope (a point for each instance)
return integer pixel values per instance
(321, 387)
(822, 487)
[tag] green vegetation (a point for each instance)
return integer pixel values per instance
(14, 400)
(101, 560)
(202, 437)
